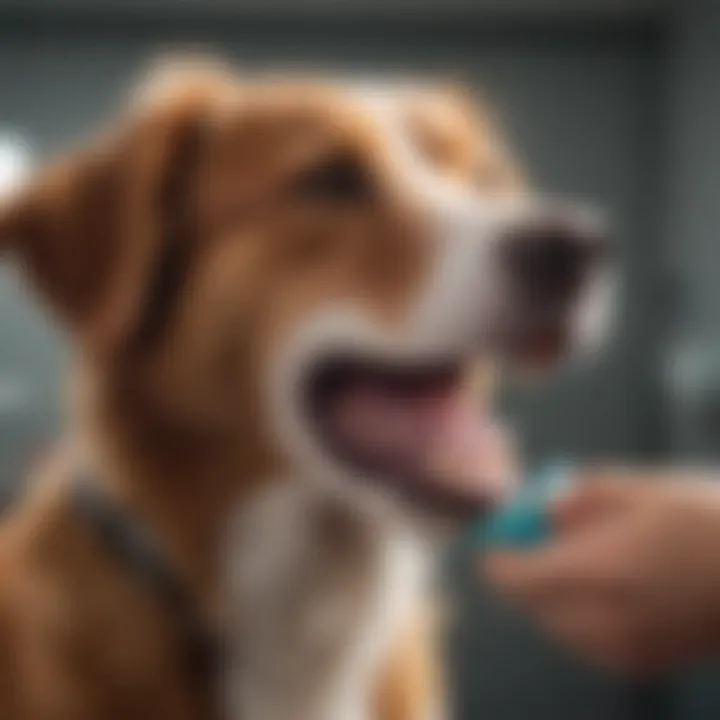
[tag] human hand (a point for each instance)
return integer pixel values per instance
(631, 579)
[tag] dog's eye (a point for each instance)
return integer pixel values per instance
(340, 178)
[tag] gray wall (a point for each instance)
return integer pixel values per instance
(593, 8)
(691, 253)
(690, 241)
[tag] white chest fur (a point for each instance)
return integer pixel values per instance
(316, 595)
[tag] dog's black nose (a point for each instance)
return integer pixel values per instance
(549, 258)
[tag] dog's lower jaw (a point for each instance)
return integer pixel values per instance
(316, 595)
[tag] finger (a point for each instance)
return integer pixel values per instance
(580, 565)
(537, 579)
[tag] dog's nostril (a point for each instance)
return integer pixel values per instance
(552, 259)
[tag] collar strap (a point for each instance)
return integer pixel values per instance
(134, 545)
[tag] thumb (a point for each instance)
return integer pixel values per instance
(556, 572)
(533, 577)
(593, 497)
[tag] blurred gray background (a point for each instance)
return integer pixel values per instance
(615, 101)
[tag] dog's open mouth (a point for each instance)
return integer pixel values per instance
(414, 428)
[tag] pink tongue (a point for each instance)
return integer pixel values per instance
(436, 435)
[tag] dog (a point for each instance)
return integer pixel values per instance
(281, 292)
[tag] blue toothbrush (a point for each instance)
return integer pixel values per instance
(523, 522)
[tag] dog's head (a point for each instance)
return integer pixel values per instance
(311, 269)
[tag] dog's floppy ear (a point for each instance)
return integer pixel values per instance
(62, 228)
(94, 230)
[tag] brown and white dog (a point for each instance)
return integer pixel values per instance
(279, 291)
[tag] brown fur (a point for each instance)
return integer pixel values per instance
(176, 317)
